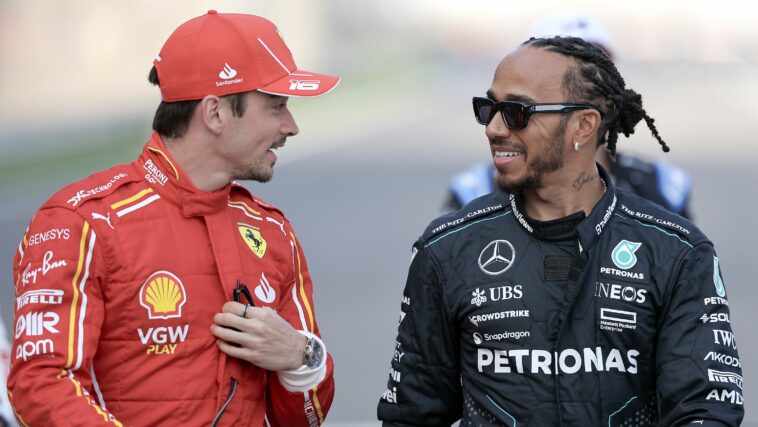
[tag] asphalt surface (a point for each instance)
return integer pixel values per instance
(364, 194)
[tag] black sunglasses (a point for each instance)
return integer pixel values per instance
(516, 114)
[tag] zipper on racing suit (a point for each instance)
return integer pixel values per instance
(232, 389)
(239, 291)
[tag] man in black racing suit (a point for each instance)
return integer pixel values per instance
(569, 302)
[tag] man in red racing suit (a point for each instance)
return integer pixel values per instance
(127, 282)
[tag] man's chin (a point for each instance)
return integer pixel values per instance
(256, 175)
(517, 185)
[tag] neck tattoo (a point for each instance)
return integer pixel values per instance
(583, 179)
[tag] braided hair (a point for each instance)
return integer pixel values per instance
(594, 79)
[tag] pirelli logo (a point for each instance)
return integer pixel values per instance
(715, 376)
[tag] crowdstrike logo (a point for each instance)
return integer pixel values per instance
(497, 257)
(228, 72)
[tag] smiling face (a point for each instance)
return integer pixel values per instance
(524, 157)
(250, 140)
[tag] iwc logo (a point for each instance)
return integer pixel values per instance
(497, 257)
(623, 254)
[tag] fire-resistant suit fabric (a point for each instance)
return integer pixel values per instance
(118, 278)
(618, 318)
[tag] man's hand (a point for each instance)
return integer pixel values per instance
(264, 338)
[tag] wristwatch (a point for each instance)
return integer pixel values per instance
(314, 353)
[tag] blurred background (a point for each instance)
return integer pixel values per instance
(370, 167)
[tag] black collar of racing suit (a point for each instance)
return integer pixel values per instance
(586, 228)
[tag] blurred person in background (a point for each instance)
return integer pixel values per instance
(161, 292)
(562, 299)
(658, 181)
(6, 412)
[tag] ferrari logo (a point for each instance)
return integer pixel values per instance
(253, 238)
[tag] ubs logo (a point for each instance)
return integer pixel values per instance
(497, 257)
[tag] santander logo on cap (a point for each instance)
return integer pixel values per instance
(226, 53)
(228, 72)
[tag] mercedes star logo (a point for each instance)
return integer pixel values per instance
(497, 257)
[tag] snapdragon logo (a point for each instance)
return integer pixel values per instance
(568, 361)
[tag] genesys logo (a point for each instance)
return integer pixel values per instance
(40, 296)
(35, 324)
(163, 340)
(567, 361)
(163, 295)
(52, 234)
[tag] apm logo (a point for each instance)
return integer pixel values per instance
(623, 254)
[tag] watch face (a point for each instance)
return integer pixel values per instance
(314, 353)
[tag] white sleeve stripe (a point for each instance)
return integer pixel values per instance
(139, 205)
(294, 290)
(83, 308)
(96, 385)
(245, 212)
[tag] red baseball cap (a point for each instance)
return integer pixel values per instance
(224, 53)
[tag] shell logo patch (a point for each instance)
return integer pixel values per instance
(253, 238)
(163, 295)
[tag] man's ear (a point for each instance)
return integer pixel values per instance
(210, 113)
(586, 124)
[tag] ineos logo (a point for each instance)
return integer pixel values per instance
(497, 257)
